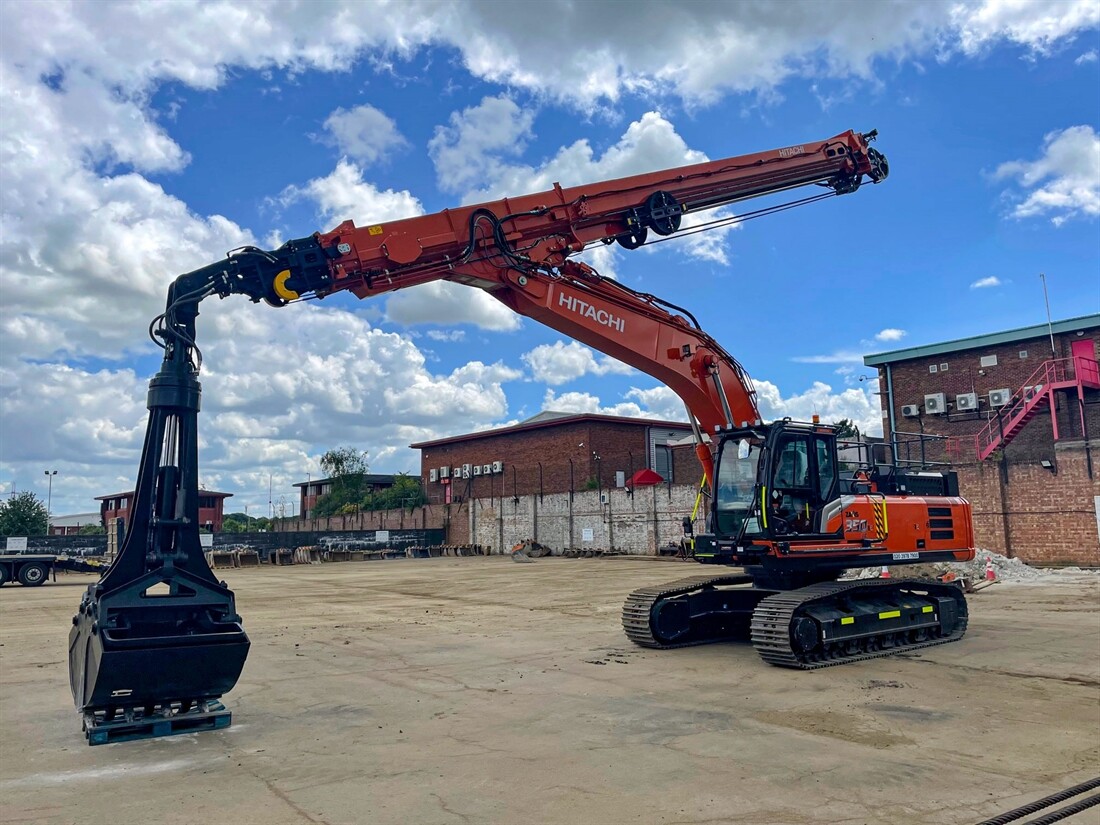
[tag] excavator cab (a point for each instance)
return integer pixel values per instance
(774, 482)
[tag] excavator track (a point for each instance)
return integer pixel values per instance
(798, 628)
(638, 610)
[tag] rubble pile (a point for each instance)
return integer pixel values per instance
(1005, 569)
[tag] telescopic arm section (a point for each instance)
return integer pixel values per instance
(520, 250)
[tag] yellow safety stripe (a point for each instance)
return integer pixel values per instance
(890, 614)
(764, 505)
(926, 609)
(847, 620)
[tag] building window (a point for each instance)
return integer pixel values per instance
(933, 368)
(943, 367)
(123, 503)
(1023, 353)
(989, 361)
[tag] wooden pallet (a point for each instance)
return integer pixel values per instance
(165, 721)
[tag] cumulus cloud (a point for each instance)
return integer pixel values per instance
(890, 334)
(1091, 56)
(1064, 182)
(363, 133)
(559, 363)
(984, 283)
(859, 404)
(344, 195)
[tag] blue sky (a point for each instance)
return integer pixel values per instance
(140, 141)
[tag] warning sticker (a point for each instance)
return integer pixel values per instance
(374, 230)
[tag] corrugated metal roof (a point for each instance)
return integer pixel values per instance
(988, 340)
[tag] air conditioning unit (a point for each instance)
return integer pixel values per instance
(935, 404)
(465, 470)
(444, 472)
(1031, 392)
(486, 469)
(477, 469)
(433, 474)
(498, 466)
(456, 472)
(966, 401)
(999, 398)
(910, 411)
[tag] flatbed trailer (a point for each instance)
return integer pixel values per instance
(31, 569)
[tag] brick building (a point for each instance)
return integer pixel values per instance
(72, 525)
(1017, 413)
(552, 452)
(311, 490)
(211, 508)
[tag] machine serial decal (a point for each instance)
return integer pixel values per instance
(585, 309)
(906, 556)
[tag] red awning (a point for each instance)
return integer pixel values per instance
(644, 478)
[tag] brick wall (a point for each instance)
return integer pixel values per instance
(912, 381)
(1035, 515)
(620, 447)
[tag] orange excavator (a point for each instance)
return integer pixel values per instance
(158, 640)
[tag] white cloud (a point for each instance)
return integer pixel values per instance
(890, 334)
(983, 283)
(858, 404)
(471, 148)
(748, 47)
(839, 357)
(442, 302)
(344, 195)
(559, 363)
(363, 133)
(1036, 24)
(447, 334)
(1065, 181)
(1090, 56)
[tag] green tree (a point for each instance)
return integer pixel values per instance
(846, 429)
(406, 492)
(93, 530)
(346, 468)
(23, 515)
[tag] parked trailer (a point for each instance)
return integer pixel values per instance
(33, 570)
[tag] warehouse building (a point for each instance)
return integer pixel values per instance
(1017, 414)
(552, 452)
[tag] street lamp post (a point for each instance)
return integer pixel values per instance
(49, 497)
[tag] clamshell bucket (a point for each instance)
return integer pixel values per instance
(157, 639)
(133, 649)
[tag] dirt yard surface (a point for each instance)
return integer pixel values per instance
(482, 691)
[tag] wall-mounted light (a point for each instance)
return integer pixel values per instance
(1047, 464)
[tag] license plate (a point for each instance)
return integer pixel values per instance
(906, 556)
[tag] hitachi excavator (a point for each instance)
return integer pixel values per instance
(158, 637)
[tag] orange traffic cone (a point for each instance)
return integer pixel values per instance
(990, 573)
(885, 572)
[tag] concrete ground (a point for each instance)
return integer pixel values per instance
(478, 690)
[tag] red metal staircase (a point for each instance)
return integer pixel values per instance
(1074, 373)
